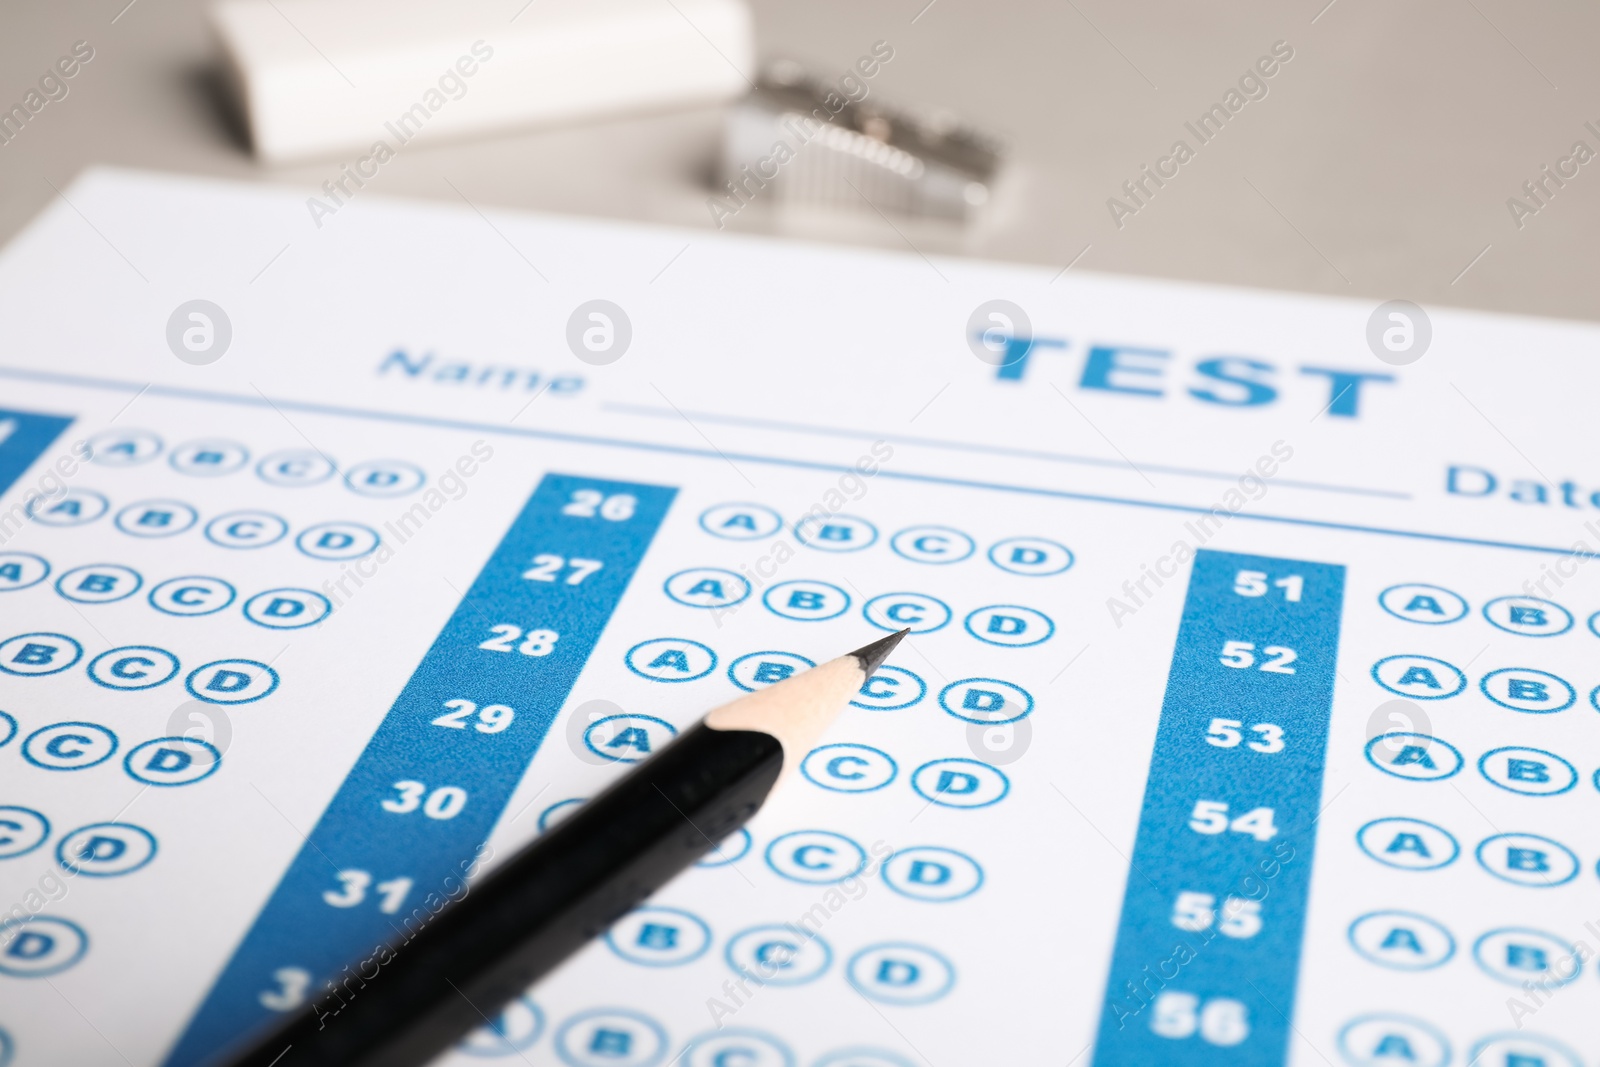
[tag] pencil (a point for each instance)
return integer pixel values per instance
(565, 888)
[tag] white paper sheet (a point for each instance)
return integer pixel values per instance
(956, 892)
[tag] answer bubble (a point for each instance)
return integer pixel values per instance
(999, 332)
(1399, 332)
(599, 332)
(199, 332)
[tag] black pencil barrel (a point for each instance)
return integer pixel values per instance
(526, 916)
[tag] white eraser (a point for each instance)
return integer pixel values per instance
(319, 77)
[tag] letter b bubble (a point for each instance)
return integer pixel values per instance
(1528, 616)
(35, 654)
(836, 533)
(208, 458)
(1517, 955)
(1530, 771)
(1521, 1050)
(806, 601)
(1528, 859)
(757, 670)
(610, 1037)
(1524, 689)
(102, 583)
(659, 937)
(156, 518)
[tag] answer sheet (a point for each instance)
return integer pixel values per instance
(1249, 714)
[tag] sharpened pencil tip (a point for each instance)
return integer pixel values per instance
(871, 656)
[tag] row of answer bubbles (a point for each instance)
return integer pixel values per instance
(1421, 757)
(247, 529)
(136, 667)
(191, 595)
(1518, 688)
(77, 746)
(1383, 1038)
(1408, 941)
(809, 600)
(99, 850)
(984, 701)
(1527, 616)
(950, 782)
(1034, 557)
(1524, 859)
(625, 1037)
(782, 955)
(214, 457)
(930, 873)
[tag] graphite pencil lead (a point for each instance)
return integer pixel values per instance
(871, 656)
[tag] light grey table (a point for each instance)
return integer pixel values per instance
(1378, 165)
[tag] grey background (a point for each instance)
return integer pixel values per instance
(1378, 166)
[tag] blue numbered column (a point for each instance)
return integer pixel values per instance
(404, 827)
(23, 438)
(1209, 945)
